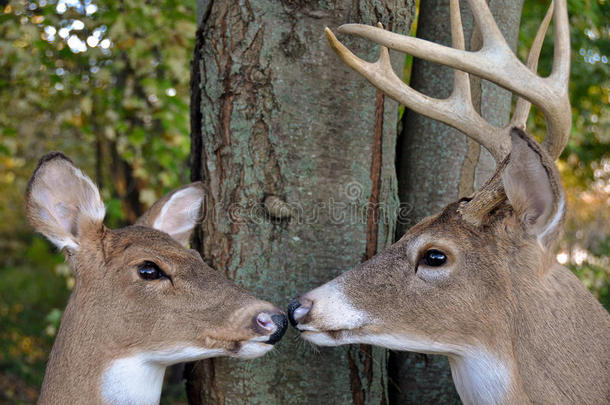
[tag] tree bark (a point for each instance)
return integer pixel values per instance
(276, 114)
(436, 165)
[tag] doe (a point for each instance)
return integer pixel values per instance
(142, 301)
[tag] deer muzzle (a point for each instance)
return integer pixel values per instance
(298, 309)
(326, 309)
(274, 323)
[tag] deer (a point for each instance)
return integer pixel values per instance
(142, 300)
(479, 281)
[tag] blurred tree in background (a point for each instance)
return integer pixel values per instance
(106, 81)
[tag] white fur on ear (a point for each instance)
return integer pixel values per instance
(60, 198)
(92, 206)
(179, 215)
(555, 222)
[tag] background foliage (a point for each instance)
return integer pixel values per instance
(106, 82)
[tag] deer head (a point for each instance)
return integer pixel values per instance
(142, 300)
(478, 282)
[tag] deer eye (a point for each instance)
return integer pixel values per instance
(434, 258)
(150, 271)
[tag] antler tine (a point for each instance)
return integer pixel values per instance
(522, 108)
(492, 36)
(559, 120)
(497, 63)
(461, 82)
(461, 95)
(561, 57)
(384, 54)
(457, 110)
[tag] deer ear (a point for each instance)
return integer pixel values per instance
(61, 201)
(533, 187)
(176, 213)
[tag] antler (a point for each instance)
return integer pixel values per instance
(495, 62)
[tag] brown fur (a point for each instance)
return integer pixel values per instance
(504, 293)
(552, 330)
(112, 312)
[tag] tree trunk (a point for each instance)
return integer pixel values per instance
(279, 121)
(437, 164)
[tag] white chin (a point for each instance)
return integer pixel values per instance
(321, 339)
(252, 350)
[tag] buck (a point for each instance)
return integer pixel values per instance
(479, 282)
(142, 301)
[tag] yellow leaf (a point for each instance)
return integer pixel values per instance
(86, 105)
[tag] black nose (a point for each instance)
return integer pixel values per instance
(281, 324)
(294, 304)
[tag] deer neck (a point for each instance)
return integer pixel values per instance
(558, 327)
(81, 373)
(481, 377)
(77, 360)
(86, 364)
(137, 379)
(133, 380)
(530, 356)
